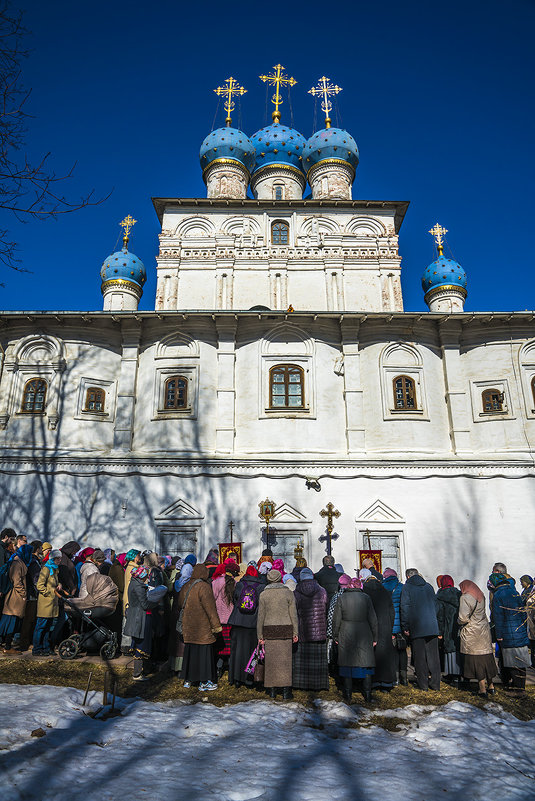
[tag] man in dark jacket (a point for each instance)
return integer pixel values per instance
(5, 536)
(328, 577)
(419, 622)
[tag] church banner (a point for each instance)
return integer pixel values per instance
(375, 556)
(227, 548)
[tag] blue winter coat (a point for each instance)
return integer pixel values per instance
(418, 615)
(510, 622)
(394, 586)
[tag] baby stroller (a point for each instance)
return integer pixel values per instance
(99, 603)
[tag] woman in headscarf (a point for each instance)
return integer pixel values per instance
(385, 653)
(289, 581)
(510, 625)
(176, 642)
(263, 570)
(394, 586)
(528, 599)
(161, 612)
(15, 600)
(310, 671)
(276, 629)
(355, 633)
(223, 586)
(242, 622)
(200, 624)
(478, 660)
(48, 587)
(133, 560)
(138, 623)
(447, 608)
(278, 564)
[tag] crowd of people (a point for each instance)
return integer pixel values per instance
(267, 626)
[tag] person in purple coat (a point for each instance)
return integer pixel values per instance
(310, 670)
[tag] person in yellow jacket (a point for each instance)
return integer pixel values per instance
(47, 604)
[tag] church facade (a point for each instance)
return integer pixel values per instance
(278, 363)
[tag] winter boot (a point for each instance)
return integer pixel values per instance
(403, 678)
(287, 694)
(367, 689)
(271, 691)
(347, 689)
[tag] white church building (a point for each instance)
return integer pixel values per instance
(278, 363)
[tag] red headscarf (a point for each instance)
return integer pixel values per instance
(83, 555)
(468, 587)
(446, 581)
(251, 571)
(219, 571)
(439, 579)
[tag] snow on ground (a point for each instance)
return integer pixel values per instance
(261, 750)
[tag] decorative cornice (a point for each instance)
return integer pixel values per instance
(222, 162)
(446, 289)
(331, 163)
(121, 283)
(276, 169)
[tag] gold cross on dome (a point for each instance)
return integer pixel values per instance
(231, 88)
(127, 224)
(325, 89)
(277, 79)
(438, 232)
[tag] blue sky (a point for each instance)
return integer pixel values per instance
(439, 97)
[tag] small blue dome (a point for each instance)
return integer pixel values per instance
(227, 143)
(278, 144)
(443, 272)
(330, 143)
(125, 266)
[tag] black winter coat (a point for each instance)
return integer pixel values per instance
(355, 629)
(385, 653)
(238, 618)
(136, 614)
(418, 615)
(447, 608)
(327, 578)
(311, 603)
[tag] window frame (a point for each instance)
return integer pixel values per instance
(412, 383)
(25, 390)
(176, 408)
(286, 367)
(96, 389)
(187, 371)
(500, 386)
(489, 392)
(280, 225)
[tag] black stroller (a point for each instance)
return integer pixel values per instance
(94, 636)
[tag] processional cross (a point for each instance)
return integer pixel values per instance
(231, 88)
(127, 224)
(231, 529)
(325, 89)
(438, 232)
(329, 512)
(277, 79)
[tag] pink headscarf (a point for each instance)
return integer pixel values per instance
(278, 564)
(468, 587)
(356, 583)
(389, 572)
(344, 580)
(121, 558)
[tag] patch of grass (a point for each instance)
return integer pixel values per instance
(162, 686)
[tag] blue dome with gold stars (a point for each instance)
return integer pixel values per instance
(278, 144)
(443, 272)
(330, 144)
(124, 266)
(227, 144)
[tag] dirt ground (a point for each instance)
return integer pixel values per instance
(163, 686)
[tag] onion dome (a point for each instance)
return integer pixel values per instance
(443, 273)
(226, 145)
(278, 145)
(124, 266)
(330, 144)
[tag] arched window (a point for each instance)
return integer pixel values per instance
(286, 387)
(34, 396)
(533, 389)
(278, 193)
(94, 399)
(492, 400)
(404, 393)
(280, 233)
(176, 392)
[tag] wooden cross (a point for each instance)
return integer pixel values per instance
(329, 512)
(277, 79)
(228, 91)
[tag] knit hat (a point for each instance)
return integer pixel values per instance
(267, 552)
(98, 556)
(364, 573)
(306, 573)
(46, 546)
(389, 572)
(344, 580)
(274, 575)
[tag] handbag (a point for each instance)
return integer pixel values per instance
(256, 660)
(181, 614)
